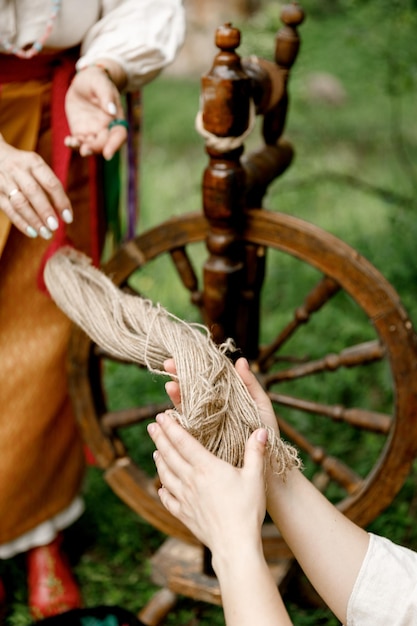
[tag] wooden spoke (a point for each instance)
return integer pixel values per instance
(361, 354)
(318, 296)
(128, 417)
(357, 417)
(187, 273)
(334, 468)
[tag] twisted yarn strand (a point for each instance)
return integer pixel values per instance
(217, 408)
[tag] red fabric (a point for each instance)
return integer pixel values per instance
(58, 68)
(63, 71)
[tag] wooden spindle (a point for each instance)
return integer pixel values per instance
(225, 105)
(287, 44)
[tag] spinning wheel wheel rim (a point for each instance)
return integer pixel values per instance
(330, 256)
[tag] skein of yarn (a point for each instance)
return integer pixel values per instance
(216, 406)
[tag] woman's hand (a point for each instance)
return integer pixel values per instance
(31, 195)
(255, 389)
(224, 507)
(91, 103)
(208, 495)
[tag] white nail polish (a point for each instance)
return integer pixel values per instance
(45, 233)
(52, 222)
(112, 108)
(31, 232)
(67, 216)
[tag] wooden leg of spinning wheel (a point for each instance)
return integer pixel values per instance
(158, 607)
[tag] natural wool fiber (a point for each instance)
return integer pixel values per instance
(216, 406)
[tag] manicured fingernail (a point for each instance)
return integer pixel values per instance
(262, 435)
(71, 142)
(31, 232)
(160, 418)
(155, 455)
(45, 233)
(67, 216)
(112, 108)
(52, 222)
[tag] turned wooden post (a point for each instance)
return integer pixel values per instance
(287, 44)
(264, 165)
(225, 105)
(232, 92)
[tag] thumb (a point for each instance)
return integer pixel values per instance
(107, 98)
(255, 450)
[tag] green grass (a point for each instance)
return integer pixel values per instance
(353, 176)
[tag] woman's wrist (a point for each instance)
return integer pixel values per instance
(113, 71)
(283, 494)
(236, 555)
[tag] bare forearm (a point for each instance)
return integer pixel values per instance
(328, 546)
(249, 593)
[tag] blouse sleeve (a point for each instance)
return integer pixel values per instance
(143, 36)
(385, 591)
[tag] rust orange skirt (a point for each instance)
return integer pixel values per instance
(41, 451)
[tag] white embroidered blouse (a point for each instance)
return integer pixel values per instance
(143, 36)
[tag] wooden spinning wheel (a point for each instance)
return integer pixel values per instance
(365, 392)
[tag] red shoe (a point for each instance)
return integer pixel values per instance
(51, 586)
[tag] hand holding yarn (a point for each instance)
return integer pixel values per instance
(216, 406)
(208, 495)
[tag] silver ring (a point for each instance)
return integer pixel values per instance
(12, 193)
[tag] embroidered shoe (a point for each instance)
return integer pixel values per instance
(52, 588)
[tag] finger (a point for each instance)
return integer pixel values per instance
(85, 150)
(19, 222)
(116, 138)
(94, 143)
(167, 477)
(47, 196)
(252, 384)
(23, 215)
(255, 452)
(169, 366)
(188, 449)
(72, 142)
(166, 450)
(106, 141)
(169, 501)
(173, 390)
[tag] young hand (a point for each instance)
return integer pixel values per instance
(255, 389)
(208, 495)
(223, 506)
(92, 102)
